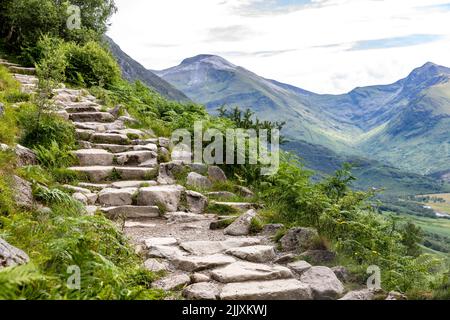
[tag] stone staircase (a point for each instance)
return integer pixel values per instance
(121, 178)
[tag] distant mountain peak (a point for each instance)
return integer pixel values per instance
(217, 61)
(429, 70)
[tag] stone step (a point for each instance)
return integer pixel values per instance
(92, 116)
(81, 108)
(133, 184)
(131, 212)
(94, 186)
(114, 148)
(110, 138)
(94, 173)
(8, 64)
(247, 271)
(200, 248)
(94, 157)
(111, 197)
(21, 70)
(199, 263)
(137, 173)
(258, 254)
(99, 126)
(289, 289)
(137, 158)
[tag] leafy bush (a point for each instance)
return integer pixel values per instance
(41, 129)
(91, 65)
(55, 156)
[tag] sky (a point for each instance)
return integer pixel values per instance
(325, 46)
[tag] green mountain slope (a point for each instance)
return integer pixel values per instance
(404, 124)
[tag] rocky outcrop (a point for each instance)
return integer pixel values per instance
(196, 202)
(323, 282)
(11, 256)
(216, 174)
(300, 239)
(202, 291)
(25, 156)
(198, 181)
(241, 227)
(23, 193)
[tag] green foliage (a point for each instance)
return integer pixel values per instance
(12, 279)
(55, 156)
(91, 65)
(42, 129)
(25, 21)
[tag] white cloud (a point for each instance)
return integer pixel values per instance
(308, 47)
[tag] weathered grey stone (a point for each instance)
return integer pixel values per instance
(84, 134)
(245, 192)
(299, 267)
(139, 224)
(272, 229)
(300, 239)
(289, 289)
(137, 173)
(81, 197)
(319, 256)
(236, 206)
(131, 212)
(23, 193)
(199, 168)
(286, 258)
(132, 158)
(247, 271)
(117, 197)
(393, 295)
(341, 273)
(2, 109)
(253, 253)
(148, 147)
(197, 180)
(11, 256)
(92, 117)
(201, 248)
(172, 282)
(96, 173)
(324, 283)
(168, 172)
(168, 197)
(199, 277)
(151, 242)
(221, 194)
(133, 184)
(164, 142)
(156, 266)
(111, 138)
(216, 174)
(241, 226)
(196, 202)
(94, 157)
(202, 291)
(165, 252)
(199, 263)
(184, 217)
(365, 294)
(25, 156)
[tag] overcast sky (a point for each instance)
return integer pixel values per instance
(326, 46)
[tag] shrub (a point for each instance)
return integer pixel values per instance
(42, 129)
(55, 156)
(91, 65)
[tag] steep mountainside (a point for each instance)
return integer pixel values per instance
(132, 71)
(404, 123)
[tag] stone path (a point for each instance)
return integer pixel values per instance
(123, 179)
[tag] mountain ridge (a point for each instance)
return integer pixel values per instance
(386, 122)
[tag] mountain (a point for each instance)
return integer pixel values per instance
(404, 124)
(133, 71)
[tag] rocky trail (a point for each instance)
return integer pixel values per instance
(125, 179)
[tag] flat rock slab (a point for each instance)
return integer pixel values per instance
(323, 282)
(195, 263)
(166, 252)
(184, 217)
(168, 196)
(172, 282)
(110, 138)
(247, 271)
(202, 291)
(117, 197)
(254, 253)
(133, 184)
(131, 212)
(299, 267)
(136, 173)
(11, 256)
(151, 242)
(241, 226)
(95, 173)
(290, 289)
(94, 157)
(155, 265)
(201, 248)
(136, 224)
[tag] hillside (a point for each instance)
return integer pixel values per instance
(133, 71)
(403, 124)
